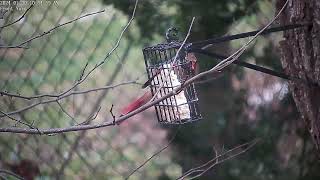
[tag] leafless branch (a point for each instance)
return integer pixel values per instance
(92, 117)
(155, 154)
(21, 17)
(16, 120)
(67, 92)
(4, 93)
(83, 70)
(218, 159)
(82, 76)
(113, 116)
(58, 98)
(215, 160)
(217, 68)
(65, 111)
(108, 54)
(210, 78)
(3, 171)
(51, 30)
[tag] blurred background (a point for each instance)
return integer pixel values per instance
(238, 107)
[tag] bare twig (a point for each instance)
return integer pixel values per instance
(218, 67)
(67, 92)
(4, 93)
(113, 116)
(82, 76)
(57, 97)
(209, 79)
(83, 70)
(108, 54)
(92, 117)
(3, 171)
(16, 120)
(248, 8)
(65, 111)
(21, 17)
(155, 154)
(236, 54)
(51, 30)
(218, 159)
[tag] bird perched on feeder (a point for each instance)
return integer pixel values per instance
(172, 73)
(172, 35)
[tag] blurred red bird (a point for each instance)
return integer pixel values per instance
(147, 96)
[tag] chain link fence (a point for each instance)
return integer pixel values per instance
(51, 64)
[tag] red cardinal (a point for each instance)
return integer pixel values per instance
(147, 96)
(137, 103)
(141, 100)
(26, 168)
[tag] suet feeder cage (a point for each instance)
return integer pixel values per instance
(168, 73)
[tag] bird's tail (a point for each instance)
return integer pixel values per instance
(137, 103)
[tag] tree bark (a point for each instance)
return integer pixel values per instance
(300, 53)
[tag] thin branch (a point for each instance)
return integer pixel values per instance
(225, 159)
(91, 117)
(57, 98)
(3, 171)
(65, 111)
(83, 70)
(4, 93)
(209, 79)
(112, 115)
(202, 169)
(218, 67)
(82, 77)
(23, 15)
(248, 8)
(16, 120)
(155, 154)
(108, 54)
(226, 62)
(66, 93)
(51, 30)
(2, 177)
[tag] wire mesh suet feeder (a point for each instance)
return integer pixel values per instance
(168, 73)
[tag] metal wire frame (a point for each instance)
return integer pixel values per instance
(156, 57)
(197, 47)
(158, 60)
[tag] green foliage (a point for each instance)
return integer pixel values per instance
(154, 17)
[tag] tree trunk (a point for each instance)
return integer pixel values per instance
(300, 57)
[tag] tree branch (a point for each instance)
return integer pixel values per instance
(82, 76)
(16, 120)
(155, 154)
(58, 97)
(51, 30)
(223, 64)
(202, 169)
(3, 171)
(23, 15)
(108, 54)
